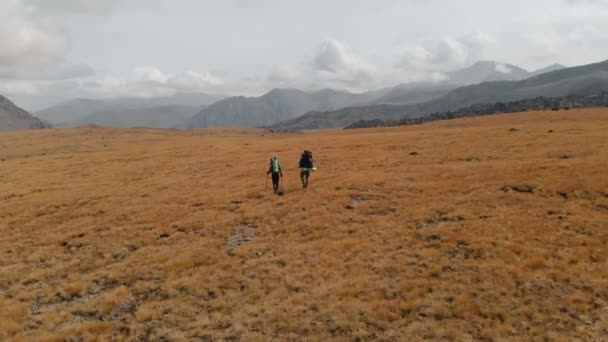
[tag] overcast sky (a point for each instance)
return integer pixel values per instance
(52, 50)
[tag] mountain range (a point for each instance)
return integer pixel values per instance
(287, 104)
(161, 112)
(535, 104)
(16, 118)
(292, 109)
(273, 107)
(583, 80)
(488, 71)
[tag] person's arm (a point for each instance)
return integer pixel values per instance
(280, 171)
(270, 169)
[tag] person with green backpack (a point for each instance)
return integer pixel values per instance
(277, 173)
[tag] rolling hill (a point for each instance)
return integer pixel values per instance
(582, 80)
(16, 118)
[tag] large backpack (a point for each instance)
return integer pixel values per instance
(308, 155)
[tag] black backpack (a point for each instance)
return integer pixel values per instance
(307, 156)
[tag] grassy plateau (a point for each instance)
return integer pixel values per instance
(491, 228)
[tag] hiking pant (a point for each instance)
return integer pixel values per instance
(304, 177)
(275, 181)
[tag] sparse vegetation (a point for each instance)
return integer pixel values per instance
(135, 234)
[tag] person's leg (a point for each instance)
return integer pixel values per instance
(306, 175)
(302, 173)
(275, 182)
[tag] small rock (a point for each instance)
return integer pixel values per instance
(462, 245)
(551, 131)
(164, 235)
(355, 203)
(432, 238)
(414, 153)
(514, 130)
(519, 188)
(259, 253)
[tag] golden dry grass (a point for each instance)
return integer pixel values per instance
(485, 234)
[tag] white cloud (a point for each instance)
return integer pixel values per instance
(334, 65)
(19, 87)
(25, 42)
(59, 70)
(74, 6)
(428, 60)
(503, 68)
(201, 81)
(150, 81)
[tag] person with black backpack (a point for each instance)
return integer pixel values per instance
(306, 166)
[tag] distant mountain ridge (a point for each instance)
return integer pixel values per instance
(129, 112)
(287, 104)
(583, 80)
(16, 118)
(411, 93)
(279, 105)
(273, 107)
(550, 68)
(170, 116)
(487, 71)
(536, 104)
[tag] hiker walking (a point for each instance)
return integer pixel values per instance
(306, 166)
(277, 173)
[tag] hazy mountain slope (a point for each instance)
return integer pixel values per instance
(156, 117)
(70, 111)
(550, 68)
(74, 112)
(583, 80)
(415, 93)
(536, 104)
(15, 118)
(273, 107)
(485, 71)
(340, 118)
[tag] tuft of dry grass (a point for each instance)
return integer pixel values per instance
(137, 234)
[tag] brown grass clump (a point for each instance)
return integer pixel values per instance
(483, 234)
